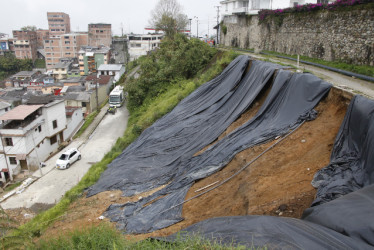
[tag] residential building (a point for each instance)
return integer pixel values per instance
(4, 107)
(58, 23)
(67, 45)
(90, 59)
(115, 70)
(74, 120)
(140, 45)
(102, 80)
(30, 134)
(6, 44)
(78, 96)
(99, 34)
(25, 44)
(41, 35)
(61, 69)
(25, 79)
(242, 7)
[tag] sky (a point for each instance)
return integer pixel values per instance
(130, 15)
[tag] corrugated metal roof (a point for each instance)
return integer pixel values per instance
(20, 112)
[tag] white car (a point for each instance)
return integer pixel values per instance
(67, 158)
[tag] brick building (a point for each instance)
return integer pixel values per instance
(25, 44)
(58, 23)
(99, 34)
(66, 45)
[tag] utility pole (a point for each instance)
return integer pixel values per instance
(190, 26)
(97, 96)
(217, 22)
(197, 27)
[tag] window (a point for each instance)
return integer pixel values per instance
(40, 128)
(53, 139)
(8, 142)
(13, 160)
(54, 124)
(67, 42)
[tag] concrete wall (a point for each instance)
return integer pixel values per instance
(73, 123)
(346, 36)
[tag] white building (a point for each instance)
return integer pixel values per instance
(115, 70)
(74, 120)
(29, 135)
(4, 107)
(238, 7)
(140, 45)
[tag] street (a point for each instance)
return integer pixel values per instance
(54, 183)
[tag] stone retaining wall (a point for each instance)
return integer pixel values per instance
(346, 36)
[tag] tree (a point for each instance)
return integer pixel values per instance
(168, 17)
(28, 28)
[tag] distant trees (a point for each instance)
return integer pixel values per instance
(29, 28)
(10, 65)
(168, 17)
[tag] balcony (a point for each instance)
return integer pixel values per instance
(240, 10)
(21, 42)
(20, 128)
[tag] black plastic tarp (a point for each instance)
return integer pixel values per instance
(344, 223)
(147, 163)
(343, 213)
(268, 232)
(352, 160)
(351, 215)
(151, 161)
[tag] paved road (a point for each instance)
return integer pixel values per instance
(54, 183)
(357, 86)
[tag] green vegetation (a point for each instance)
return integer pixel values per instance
(12, 186)
(105, 237)
(224, 29)
(359, 69)
(39, 64)
(178, 58)
(180, 67)
(87, 122)
(10, 65)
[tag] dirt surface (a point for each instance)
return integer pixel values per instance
(277, 184)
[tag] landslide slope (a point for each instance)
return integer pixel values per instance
(278, 183)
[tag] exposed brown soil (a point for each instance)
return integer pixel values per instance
(277, 184)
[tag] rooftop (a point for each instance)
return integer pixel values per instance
(62, 65)
(103, 79)
(20, 112)
(110, 67)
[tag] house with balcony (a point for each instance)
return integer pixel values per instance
(90, 59)
(29, 135)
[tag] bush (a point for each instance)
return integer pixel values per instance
(177, 59)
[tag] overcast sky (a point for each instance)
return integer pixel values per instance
(133, 16)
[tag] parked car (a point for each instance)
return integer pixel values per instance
(67, 158)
